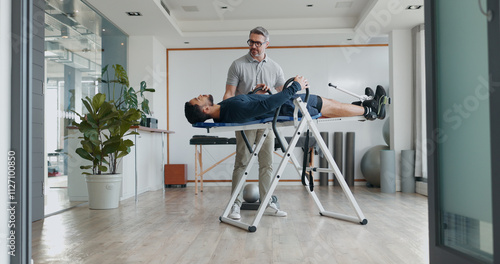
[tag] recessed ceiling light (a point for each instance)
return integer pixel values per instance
(343, 5)
(134, 13)
(413, 7)
(186, 42)
(190, 8)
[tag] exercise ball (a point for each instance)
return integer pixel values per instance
(251, 193)
(370, 164)
(386, 132)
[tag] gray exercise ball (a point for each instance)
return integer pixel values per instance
(251, 193)
(370, 164)
(386, 132)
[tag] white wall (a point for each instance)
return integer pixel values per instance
(194, 72)
(5, 64)
(147, 62)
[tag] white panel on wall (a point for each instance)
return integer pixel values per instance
(159, 83)
(194, 72)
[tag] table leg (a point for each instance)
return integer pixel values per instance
(135, 137)
(201, 169)
(163, 161)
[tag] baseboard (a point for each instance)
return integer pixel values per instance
(421, 188)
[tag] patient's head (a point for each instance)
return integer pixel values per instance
(194, 108)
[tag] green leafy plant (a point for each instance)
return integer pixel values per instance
(128, 96)
(104, 128)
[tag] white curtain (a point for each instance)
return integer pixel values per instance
(420, 139)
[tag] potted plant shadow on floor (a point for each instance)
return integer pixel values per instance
(104, 128)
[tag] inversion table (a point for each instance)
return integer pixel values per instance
(303, 124)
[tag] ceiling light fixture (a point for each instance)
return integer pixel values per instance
(343, 5)
(414, 7)
(134, 13)
(190, 8)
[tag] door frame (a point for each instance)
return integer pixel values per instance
(494, 70)
(437, 252)
(21, 117)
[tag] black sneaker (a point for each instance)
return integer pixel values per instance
(368, 92)
(371, 103)
(381, 100)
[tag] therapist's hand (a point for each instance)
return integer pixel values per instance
(264, 88)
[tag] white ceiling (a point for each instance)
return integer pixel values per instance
(226, 23)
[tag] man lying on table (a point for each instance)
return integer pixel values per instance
(249, 107)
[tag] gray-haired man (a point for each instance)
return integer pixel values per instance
(251, 71)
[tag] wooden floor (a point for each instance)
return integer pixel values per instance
(181, 227)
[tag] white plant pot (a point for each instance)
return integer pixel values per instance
(104, 190)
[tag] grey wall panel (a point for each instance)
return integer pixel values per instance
(37, 162)
(37, 206)
(38, 71)
(37, 101)
(38, 130)
(39, 3)
(37, 189)
(37, 115)
(38, 57)
(38, 43)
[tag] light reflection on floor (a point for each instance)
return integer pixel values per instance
(56, 195)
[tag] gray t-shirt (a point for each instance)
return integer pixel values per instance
(246, 72)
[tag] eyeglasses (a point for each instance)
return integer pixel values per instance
(257, 44)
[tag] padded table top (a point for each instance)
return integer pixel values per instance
(261, 121)
(211, 140)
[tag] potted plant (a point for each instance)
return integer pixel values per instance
(128, 96)
(104, 128)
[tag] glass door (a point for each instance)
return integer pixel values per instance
(460, 159)
(78, 44)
